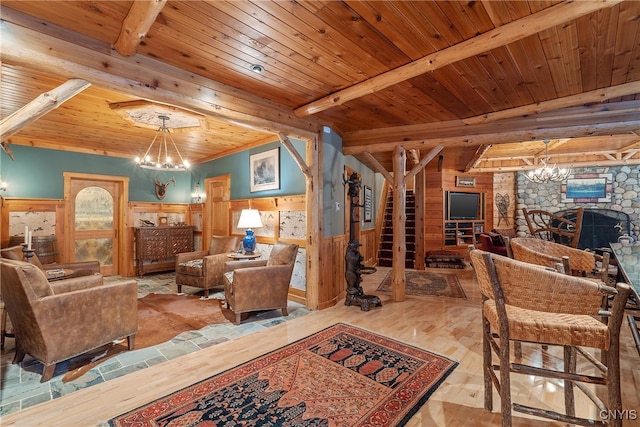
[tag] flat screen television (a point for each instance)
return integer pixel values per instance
(464, 205)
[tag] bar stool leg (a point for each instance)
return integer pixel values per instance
(3, 330)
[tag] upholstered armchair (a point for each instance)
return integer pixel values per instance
(55, 321)
(494, 243)
(76, 269)
(205, 269)
(260, 284)
(72, 269)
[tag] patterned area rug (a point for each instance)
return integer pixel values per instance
(426, 283)
(341, 376)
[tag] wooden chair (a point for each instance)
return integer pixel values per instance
(526, 303)
(563, 228)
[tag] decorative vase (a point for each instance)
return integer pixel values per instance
(625, 239)
(249, 242)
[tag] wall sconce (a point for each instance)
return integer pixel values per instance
(197, 196)
(3, 185)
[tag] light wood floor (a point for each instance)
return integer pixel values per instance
(448, 326)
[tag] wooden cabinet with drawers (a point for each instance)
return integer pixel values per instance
(156, 247)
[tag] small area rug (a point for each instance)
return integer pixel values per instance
(426, 283)
(161, 317)
(341, 376)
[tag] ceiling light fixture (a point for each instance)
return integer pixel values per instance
(167, 164)
(546, 173)
(256, 68)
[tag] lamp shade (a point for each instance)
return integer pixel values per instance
(249, 218)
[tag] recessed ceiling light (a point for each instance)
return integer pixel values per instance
(256, 68)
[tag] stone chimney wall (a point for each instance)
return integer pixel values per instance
(625, 196)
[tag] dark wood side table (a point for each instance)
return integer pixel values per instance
(156, 247)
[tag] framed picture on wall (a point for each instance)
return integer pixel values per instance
(368, 204)
(465, 181)
(588, 188)
(265, 170)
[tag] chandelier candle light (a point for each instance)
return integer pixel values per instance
(249, 218)
(148, 163)
(546, 173)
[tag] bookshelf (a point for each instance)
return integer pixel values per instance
(462, 232)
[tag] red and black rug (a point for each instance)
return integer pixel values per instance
(341, 376)
(421, 283)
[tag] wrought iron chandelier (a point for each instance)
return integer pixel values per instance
(546, 173)
(160, 163)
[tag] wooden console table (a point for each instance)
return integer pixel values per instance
(157, 246)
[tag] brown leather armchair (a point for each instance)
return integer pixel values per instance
(77, 269)
(73, 269)
(205, 269)
(260, 284)
(55, 321)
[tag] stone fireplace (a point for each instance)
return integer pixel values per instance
(601, 227)
(600, 219)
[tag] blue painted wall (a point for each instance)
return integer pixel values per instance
(38, 173)
(334, 188)
(292, 180)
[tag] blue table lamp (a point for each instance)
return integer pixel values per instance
(249, 218)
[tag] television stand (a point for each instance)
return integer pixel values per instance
(463, 232)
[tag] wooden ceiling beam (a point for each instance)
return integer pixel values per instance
(629, 156)
(40, 106)
(426, 159)
(500, 36)
(284, 140)
(149, 79)
(590, 97)
(477, 156)
(633, 145)
(607, 119)
(136, 25)
(533, 112)
(377, 166)
(628, 161)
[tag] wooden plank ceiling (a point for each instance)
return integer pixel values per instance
(488, 80)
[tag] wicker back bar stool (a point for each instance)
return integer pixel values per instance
(527, 303)
(576, 262)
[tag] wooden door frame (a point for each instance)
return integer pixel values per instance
(208, 209)
(122, 220)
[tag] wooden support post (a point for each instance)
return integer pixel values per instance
(419, 188)
(314, 222)
(399, 223)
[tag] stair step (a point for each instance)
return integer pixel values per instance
(385, 250)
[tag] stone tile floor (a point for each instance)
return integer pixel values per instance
(20, 385)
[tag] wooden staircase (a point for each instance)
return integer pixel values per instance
(385, 251)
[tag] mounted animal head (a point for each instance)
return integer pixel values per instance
(161, 189)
